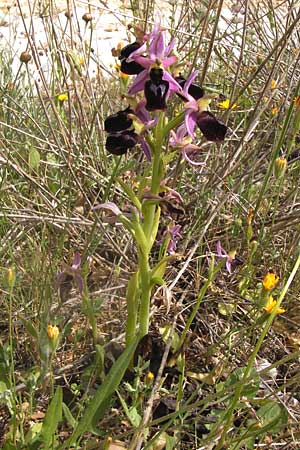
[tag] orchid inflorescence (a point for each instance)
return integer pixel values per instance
(144, 121)
(155, 65)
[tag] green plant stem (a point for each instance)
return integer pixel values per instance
(144, 272)
(131, 301)
(227, 418)
(275, 153)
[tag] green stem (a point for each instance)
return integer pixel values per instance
(275, 153)
(144, 272)
(227, 418)
(131, 300)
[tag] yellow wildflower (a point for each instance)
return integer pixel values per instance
(62, 97)
(274, 110)
(271, 305)
(273, 84)
(270, 281)
(149, 378)
(226, 104)
(280, 166)
(52, 332)
(297, 101)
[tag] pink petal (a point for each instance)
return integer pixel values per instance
(146, 148)
(194, 163)
(139, 51)
(139, 82)
(170, 47)
(166, 62)
(219, 249)
(143, 61)
(157, 47)
(189, 82)
(173, 85)
(77, 261)
(190, 122)
(109, 206)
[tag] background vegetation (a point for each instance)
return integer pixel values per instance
(233, 381)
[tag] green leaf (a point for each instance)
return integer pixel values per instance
(68, 415)
(52, 418)
(159, 270)
(99, 402)
(132, 414)
(34, 433)
(29, 327)
(157, 281)
(251, 384)
(34, 158)
(130, 194)
(274, 415)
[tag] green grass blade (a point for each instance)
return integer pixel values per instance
(99, 401)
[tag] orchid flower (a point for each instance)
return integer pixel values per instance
(175, 235)
(74, 271)
(197, 115)
(126, 129)
(182, 140)
(158, 56)
(223, 254)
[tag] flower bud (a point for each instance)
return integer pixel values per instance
(52, 332)
(25, 57)
(11, 277)
(280, 166)
(149, 378)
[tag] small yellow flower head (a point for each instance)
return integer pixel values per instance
(226, 104)
(297, 101)
(270, 281)
(52, 332)
(274, 110)
(271, 305)
(273, 84)
(62, 97)
(149, 378)
(280, 166)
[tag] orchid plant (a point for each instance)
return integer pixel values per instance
(146, 122)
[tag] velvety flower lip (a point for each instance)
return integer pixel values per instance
(119, 143)
(118, 121)
(211, 128)
(128, 49)
(130, 68)
(194, 90)
(156, 90)
(197, 115)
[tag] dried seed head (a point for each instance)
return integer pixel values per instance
(25, 57)
(68, 14)
(87, 17)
